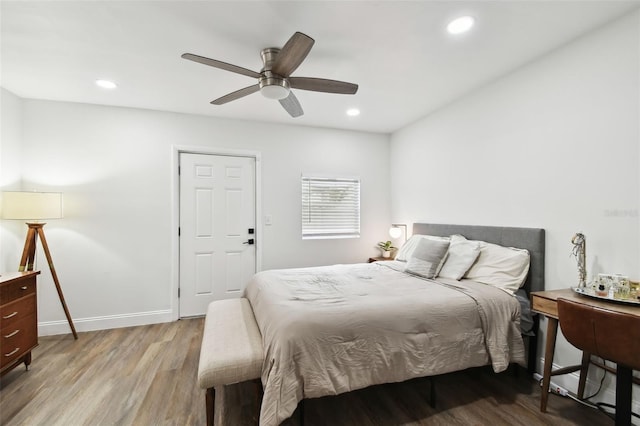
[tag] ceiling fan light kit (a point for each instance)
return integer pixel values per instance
(274, 80)
(275, 91)
(274, 87)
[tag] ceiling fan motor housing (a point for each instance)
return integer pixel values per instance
(269, 56)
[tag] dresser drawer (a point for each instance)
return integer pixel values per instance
(18, 339)
(17, 289)
(17, 310)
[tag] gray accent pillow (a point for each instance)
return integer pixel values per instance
(462, 254)
(406, 251)
(427, 258)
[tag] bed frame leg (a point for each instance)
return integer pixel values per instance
(211, 402)
(533, 346)
(259, 392)
(432, 392)
(301, 408)
(514, 369)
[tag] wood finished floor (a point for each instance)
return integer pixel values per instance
(147, 376)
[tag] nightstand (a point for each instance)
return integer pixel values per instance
(379, 259)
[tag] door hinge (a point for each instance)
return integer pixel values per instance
(178, 170)
(178, 292)
(178, 231)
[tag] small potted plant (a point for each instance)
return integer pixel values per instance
(386, 248)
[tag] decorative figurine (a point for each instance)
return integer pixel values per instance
(579, 251)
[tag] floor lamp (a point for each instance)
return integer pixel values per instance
(33, 207)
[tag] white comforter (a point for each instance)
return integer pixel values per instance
(334, 329)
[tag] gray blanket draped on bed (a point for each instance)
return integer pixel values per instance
(334, 329)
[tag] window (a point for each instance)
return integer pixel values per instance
(330, 207)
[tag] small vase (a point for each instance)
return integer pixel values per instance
(386, 254)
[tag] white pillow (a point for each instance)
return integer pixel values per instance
(405, 252)
(427, 258)
(503, 267)
(462, 254)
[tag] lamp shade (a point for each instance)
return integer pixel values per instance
(397, 229)
(31, 205)
(395, 232)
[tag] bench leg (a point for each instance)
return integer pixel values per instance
(211, 402)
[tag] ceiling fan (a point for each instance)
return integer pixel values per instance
(274, 80)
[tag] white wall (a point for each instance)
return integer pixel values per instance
(11, 232)
(113, 249)
(554, 145)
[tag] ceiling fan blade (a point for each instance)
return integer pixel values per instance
(291, 104)
(236, 95)
(292, 54)
(222, 65)
(323, 85)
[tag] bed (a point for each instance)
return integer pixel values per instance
(334, 329)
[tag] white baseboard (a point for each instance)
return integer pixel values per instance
(607, 394)
(49, 328)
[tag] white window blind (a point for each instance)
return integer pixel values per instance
(330, 207)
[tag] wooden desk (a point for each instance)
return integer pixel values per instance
(546, 303)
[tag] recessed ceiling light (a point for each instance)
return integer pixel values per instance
(106, 84)
(460, 25)
(353, 112)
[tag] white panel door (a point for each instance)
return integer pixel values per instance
(217, 210)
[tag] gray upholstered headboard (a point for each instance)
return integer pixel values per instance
(531, 239)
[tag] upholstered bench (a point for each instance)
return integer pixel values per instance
(231, 350)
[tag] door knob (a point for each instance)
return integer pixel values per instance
(250, 241)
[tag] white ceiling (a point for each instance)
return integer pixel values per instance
(398, 52)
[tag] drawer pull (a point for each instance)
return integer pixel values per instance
(10, 315)
(12, 334)
(24, 287)
(12, 352)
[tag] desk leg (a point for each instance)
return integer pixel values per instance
(549, 349)
(584, 369)
(624, 380)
